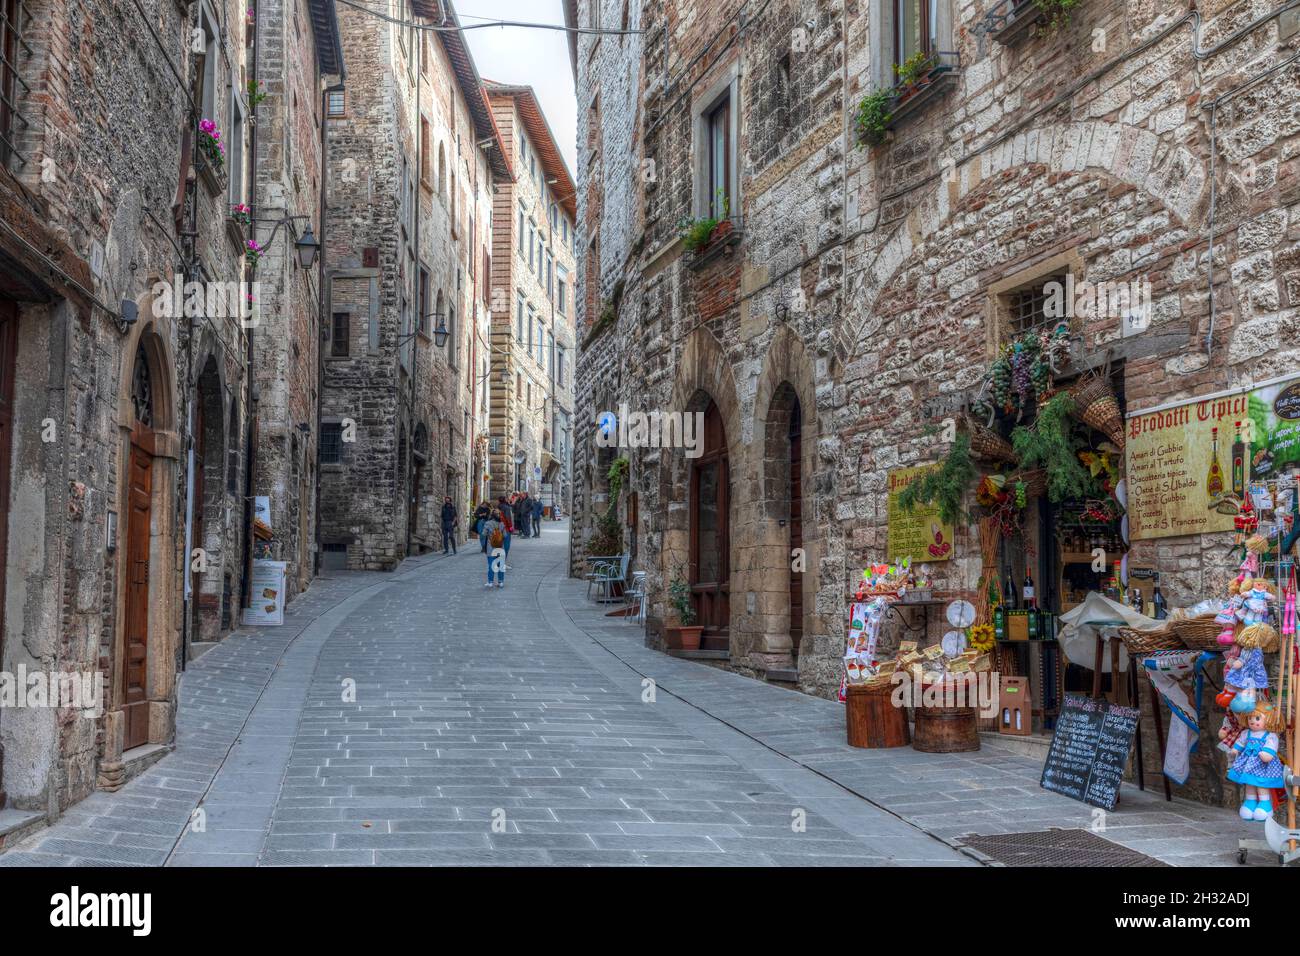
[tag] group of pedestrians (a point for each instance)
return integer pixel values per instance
(496, 525)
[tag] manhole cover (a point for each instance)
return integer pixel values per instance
(1057, 848)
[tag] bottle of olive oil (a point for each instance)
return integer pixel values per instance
(1214, 477)
(1238, 464)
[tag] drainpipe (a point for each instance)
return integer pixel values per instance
(251, 396)
(322, 301)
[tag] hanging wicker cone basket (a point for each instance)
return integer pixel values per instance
(1035, 481)
(1104, 415)
(986, 444)
(1090, 388)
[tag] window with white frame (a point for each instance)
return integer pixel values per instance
(519, 319)
(211, 54)
(561, 288)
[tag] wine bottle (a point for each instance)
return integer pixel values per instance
(1238, 464)
(1159, 605)
(1028, 590)
(1009, 592)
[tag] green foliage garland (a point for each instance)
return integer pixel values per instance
(945, 485)
(1049, 444)
(607, 537)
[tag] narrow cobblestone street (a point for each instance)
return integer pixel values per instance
(509, 727)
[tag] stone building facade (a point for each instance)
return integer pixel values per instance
(412, 155)
(860, 291)
(126, 142)
(298, 70)
(533, 282)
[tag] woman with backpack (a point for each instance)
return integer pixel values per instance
(508, 524)
(495, 534)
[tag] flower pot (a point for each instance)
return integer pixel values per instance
(683, 638)
(721, 230)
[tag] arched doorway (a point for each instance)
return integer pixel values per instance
(710, 545)
(794, 459)
(419, 457)
(207, 578)
(135, 657)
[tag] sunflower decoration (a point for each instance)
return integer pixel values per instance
(981, 638)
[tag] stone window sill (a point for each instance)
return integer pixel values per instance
(938, 84)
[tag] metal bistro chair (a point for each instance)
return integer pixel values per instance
(601, 566)
(637, 593)
(613, 574)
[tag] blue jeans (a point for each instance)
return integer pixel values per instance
(500, 569)
(507, 543)
(448, 539)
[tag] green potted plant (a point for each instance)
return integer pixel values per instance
(697, 233)
(913, 73)
(685, 635)
(873, 116)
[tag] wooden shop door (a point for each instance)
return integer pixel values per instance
(135, 658)
(710, 570)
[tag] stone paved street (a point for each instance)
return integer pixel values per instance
(509, 727)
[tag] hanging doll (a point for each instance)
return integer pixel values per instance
(1255, 602)
(1257, 767)
(1227, 618)
(1255, 641)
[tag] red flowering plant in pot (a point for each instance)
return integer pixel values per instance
(685, 635)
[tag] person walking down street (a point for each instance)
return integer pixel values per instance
(450, 522)
(494, 531)
(481, 514)
(537, 517)
(508, 525)
(524, 514)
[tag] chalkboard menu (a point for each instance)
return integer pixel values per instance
(1089, 750)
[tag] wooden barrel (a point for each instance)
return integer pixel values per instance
(872, 719)
(946, 730)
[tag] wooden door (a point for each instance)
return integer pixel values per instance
(136, 643)
(796, 528)
(711, 535)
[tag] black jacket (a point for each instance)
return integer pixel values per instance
(449, 515)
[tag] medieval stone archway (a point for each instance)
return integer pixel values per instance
(704, 378)
(782, 540)
(142, 648)
(207, 559)
(1120, 153)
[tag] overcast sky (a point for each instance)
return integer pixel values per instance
(536, 58)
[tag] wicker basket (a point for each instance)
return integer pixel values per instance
(1090, 388)
(1142, 643)
(1035, 482)
(1199, 633)
(985, 443)
(1105, 416)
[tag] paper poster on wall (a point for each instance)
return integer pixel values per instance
(266, 594)
(918, 534)
(1188, 465)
